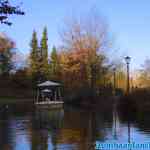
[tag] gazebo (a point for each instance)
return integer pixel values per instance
(48, 91)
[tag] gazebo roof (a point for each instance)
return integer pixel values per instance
(48, 84)
(47, 91)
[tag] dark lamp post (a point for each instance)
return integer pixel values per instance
(128, 59)
(1, 60)
(114, 71)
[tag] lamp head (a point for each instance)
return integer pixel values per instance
(127, 59)
(114, 69)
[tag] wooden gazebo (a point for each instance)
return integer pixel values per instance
(48, 91)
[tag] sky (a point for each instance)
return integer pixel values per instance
(128, 20)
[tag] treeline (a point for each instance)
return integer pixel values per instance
(138, 100)
(80, 63)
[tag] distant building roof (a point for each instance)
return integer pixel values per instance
(48, 83)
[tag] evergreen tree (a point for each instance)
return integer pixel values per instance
(54, 65)
(44, 54)
(53, 60)
(34, 56)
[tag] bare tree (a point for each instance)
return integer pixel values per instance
(143, 78)
(85, 40)
(85, 33)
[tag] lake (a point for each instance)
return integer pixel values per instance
(22, 127)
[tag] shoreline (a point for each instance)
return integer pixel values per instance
(13, 100)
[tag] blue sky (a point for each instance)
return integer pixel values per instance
(129, 23)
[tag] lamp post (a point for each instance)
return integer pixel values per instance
(128, 59)
(1, 59)
(114, 71)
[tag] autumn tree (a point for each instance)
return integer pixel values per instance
(120, 73)
(143, 79)
(84, 42)
(6, 54)
(7, 9)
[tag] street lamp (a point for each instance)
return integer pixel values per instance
(114, 71)
(128, 59)
(1, 59)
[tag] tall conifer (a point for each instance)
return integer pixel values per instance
(54, 65)
(44, 53)
(34, 55)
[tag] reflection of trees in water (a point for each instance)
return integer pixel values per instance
(69, 129)
(143, 122)
(5, 132)
(82, 128)
(50, 120)
(75, 132)
(54, 129)
(39, 140)
(14, 127)
(104, 121)
(135, 122)
(44, 125)
(79, 129)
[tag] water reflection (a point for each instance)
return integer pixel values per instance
(45, 124)
(25, 128)
(5, 133)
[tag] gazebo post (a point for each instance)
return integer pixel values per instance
(42, 96)
(59, 93)
(55, 96)
(37, 95)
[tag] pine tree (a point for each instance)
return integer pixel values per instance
(53, 60)
(44, 53)
(54, 65)
(34, 56)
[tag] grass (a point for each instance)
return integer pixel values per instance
(13, 100)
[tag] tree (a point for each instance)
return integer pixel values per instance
(6, 10)
(84, 41)
(6, 54)
(34, 56)
(120, 73)
(44, 54)
(143, 79)
(54, 64)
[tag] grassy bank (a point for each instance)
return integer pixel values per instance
(13, 100)
(86, 98)
(138, 101)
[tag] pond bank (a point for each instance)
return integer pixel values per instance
(6, 100)
(100, 103)
(138, 102)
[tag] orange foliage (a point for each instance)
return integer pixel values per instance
(5, 43)
(75, 71)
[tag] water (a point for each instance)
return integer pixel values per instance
(22, 127)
